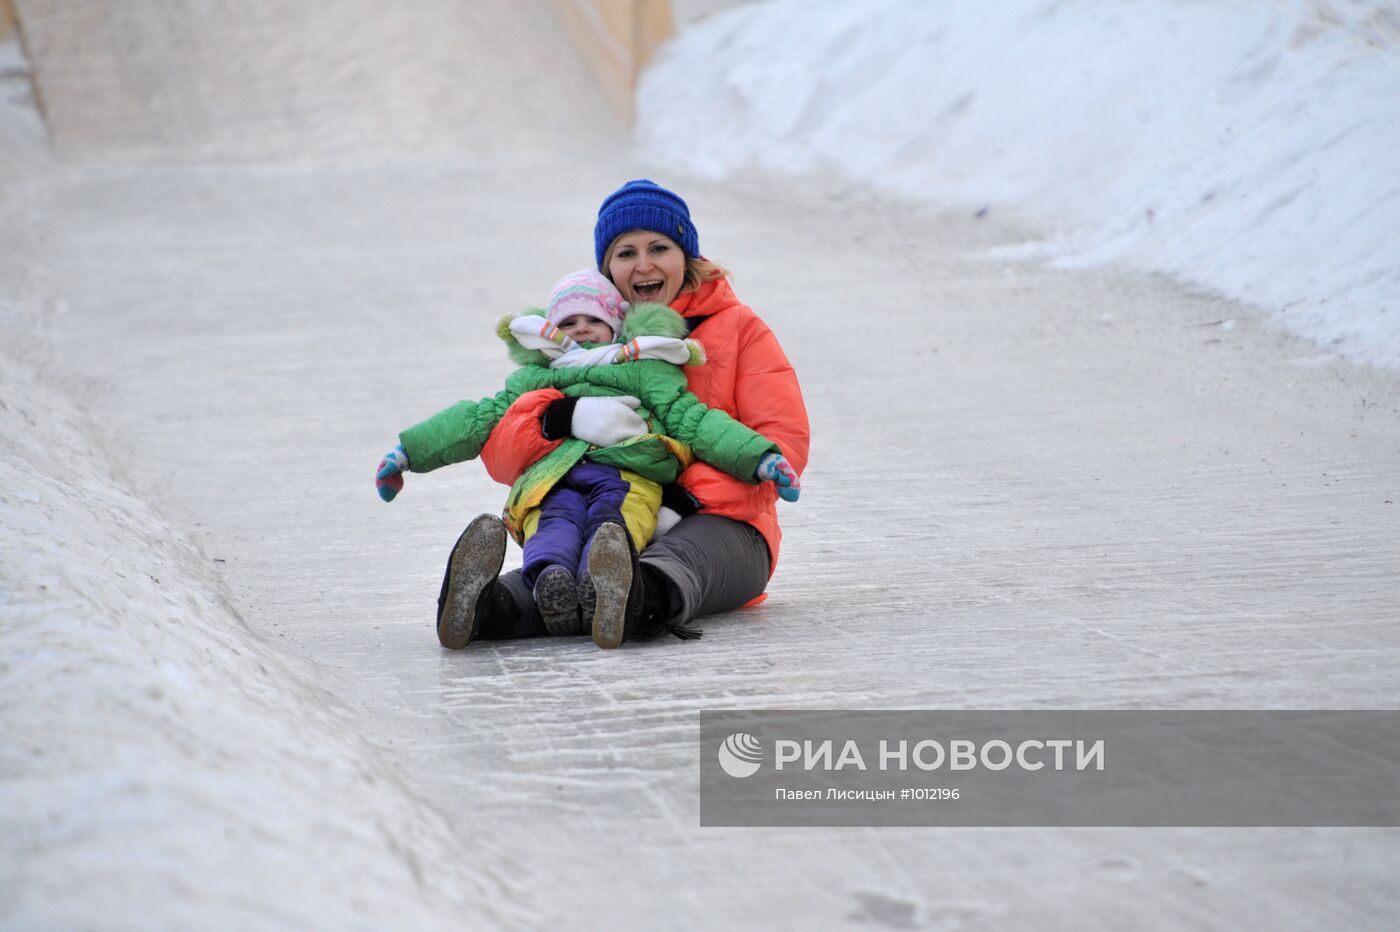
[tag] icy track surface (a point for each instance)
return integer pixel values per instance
(164, 766)
(1248, 148)
(235, 708)
(224, 705)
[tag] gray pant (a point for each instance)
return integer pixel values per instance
(709, 564)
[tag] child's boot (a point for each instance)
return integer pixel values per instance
(648, 606)
(556, 595)
(607, 584)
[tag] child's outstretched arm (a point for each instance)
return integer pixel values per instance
(727, 444)
(452, 435)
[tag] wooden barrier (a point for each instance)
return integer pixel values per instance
(615, 38)
(8, 20)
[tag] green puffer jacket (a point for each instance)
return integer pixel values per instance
(684, 428)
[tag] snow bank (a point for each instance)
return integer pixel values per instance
(162, 767)
(1247, 148)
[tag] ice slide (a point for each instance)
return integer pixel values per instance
(223, 703)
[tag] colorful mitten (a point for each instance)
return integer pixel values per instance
(389, 479)
(774, 467)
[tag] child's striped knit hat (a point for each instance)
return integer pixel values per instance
(587, 292)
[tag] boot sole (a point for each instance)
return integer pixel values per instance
(476, 561)
(557, 598)
(610, 569)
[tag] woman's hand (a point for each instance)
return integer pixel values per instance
(605, 422)
(388, 479)
(775, 468)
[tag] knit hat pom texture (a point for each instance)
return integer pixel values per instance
(586, 292)
(643, 204)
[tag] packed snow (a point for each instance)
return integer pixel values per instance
(162, 764)
(222, 700)
(1246, 148)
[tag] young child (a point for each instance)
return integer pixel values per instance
(588, 342)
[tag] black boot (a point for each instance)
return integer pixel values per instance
(649, 608)
(471, 596)
(558, 599)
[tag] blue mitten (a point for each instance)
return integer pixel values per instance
(775, 468)
(389, 477)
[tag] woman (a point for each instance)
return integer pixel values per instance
(721, 553)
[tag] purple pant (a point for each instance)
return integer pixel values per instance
(588, 496)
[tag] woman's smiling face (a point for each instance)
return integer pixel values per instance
(646, 266)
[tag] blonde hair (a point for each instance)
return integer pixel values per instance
(697, 271)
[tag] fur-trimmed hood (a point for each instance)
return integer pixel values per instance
(651, 320)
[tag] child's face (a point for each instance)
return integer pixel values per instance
(585, 329)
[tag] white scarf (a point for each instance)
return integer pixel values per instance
(533, 332)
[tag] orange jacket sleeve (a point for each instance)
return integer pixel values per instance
(516, 441)
(767, 396)
(768, 399)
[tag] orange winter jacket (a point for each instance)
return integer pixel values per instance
(745, 374)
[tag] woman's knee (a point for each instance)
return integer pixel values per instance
(712, 564)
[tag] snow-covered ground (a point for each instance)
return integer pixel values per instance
(222, 702)
(163, 767)
(1248, 148)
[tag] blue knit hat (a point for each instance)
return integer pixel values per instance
(644, 205)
